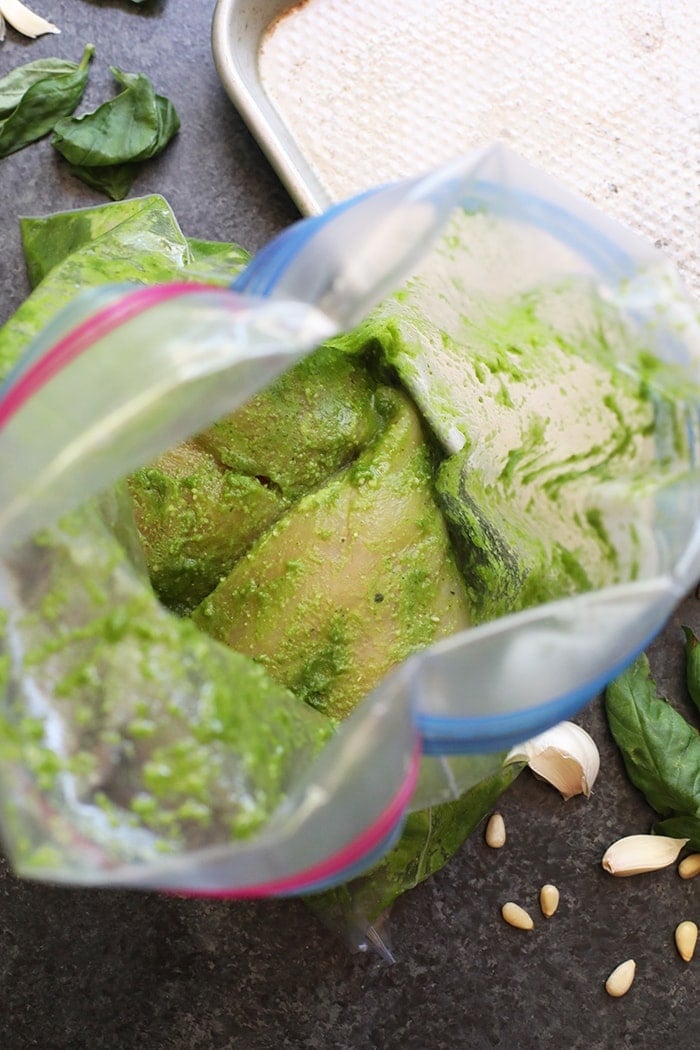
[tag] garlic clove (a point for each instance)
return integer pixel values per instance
(25, 21)
(636, 854)
(566, 756)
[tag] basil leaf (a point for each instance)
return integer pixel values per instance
(103, 147)
(692, 665)
(116, 179)
(429, 838)
(120, 129)
(113, 179)
(49, 239)
(34, 97)
(168, 127)
(138, 240)
(660, 750)
(211, 259)
(680, 828)
(15, 85)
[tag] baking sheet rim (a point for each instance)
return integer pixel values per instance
(237, 32)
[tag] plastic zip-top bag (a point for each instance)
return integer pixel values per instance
(262, 600)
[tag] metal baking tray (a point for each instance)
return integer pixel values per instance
(238, 31)
(605, 96)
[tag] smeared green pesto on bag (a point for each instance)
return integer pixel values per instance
(183, 774)
(140, 241)
(553, 417)
(207, 761)
(331, 434)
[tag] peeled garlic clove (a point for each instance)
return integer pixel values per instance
(25, 21)
(566, 756)
(636, 854)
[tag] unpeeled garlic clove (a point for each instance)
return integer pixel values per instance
(25, 21)
(566, 756)
(636, 854)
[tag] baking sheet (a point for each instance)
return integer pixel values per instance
(343, 94)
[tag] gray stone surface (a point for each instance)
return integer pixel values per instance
(94, 969)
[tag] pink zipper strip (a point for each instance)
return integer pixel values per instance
(334, 866)
(81, 338)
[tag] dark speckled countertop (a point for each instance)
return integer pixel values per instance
(82, 968)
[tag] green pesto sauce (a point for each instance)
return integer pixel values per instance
(304, 600)
(202, 505)
(325, 665)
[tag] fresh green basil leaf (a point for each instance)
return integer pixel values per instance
(429, 838)
(116, 179)
(692, 665)
(134, 125)
(113, 179)
(681, 828)
(49, 239)
(168, 126)
(118, 130)
(104, 146)
(660, 750)
(213, 259)
(45, 100)
(16, 84)
(136, 240)
(148, 247)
